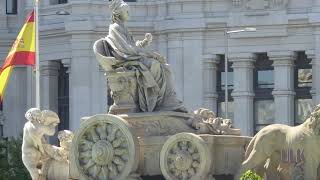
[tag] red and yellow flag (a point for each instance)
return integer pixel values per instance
(22, 52)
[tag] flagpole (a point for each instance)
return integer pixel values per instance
(37, 64)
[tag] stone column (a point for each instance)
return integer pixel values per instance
(15, 102)
(175, 59)
(210, 95)
(192, 69)
(49, 85)
(83, 70)
(315, 79)
(243, 91)
(283, 62)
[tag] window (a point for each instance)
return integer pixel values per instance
(221, 75)
(303, 85)
(222, 110)
(263, 113)
(63, 97)
(265, 79)
(128, 0)
(53, 2)
(221, 88)
(263, 86)
(11, 6)
(303, 109)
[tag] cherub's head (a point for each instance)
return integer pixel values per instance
(65, 137)
(34, 115)
(120, 11)
(50, 121)
(205, 114)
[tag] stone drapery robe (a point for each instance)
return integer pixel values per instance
(155, 89)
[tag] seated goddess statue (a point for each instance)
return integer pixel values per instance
(153, 80)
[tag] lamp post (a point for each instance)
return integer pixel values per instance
(226, 94)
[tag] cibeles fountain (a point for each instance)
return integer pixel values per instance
(147, 130)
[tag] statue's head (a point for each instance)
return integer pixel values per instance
(50, 121)
(65, 137)
(120, 11)
(205, 113)
(34, 115)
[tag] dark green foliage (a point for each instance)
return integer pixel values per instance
(249, 175)
(11, 166)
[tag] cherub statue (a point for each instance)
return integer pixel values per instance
(39, 123)
(206, 122)
(56, 164)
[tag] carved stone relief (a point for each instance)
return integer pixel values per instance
(260, 4)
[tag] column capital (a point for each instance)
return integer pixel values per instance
(241, 57)
(211, 58)
(282, 57)
(49, 68)
(241, 60)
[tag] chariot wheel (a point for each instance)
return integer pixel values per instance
(104, 148)
(185, 156)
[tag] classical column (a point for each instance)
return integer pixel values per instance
(84, 96)
(49, 85)
(175, 59)
(243, 91)
(210, 95)
(283, 62)
(15, 102)
(192, 69)
(315, 79)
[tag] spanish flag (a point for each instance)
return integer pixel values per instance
(22, 52)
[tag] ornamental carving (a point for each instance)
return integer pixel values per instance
(260, 4)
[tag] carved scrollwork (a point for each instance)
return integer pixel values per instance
(105, 149)
(185, 156)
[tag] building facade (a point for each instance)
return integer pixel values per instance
(273, 72)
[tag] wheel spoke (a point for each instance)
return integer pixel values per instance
(101, 129)
(118, 161)
(104, 173)
(85, 155)
(120, 151)
(96, 169)
(94, 135)
(88, 165)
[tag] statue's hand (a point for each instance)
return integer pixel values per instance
(159, 58)
(148, 37)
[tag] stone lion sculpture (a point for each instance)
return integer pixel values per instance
(39, 123)
(264, 152)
